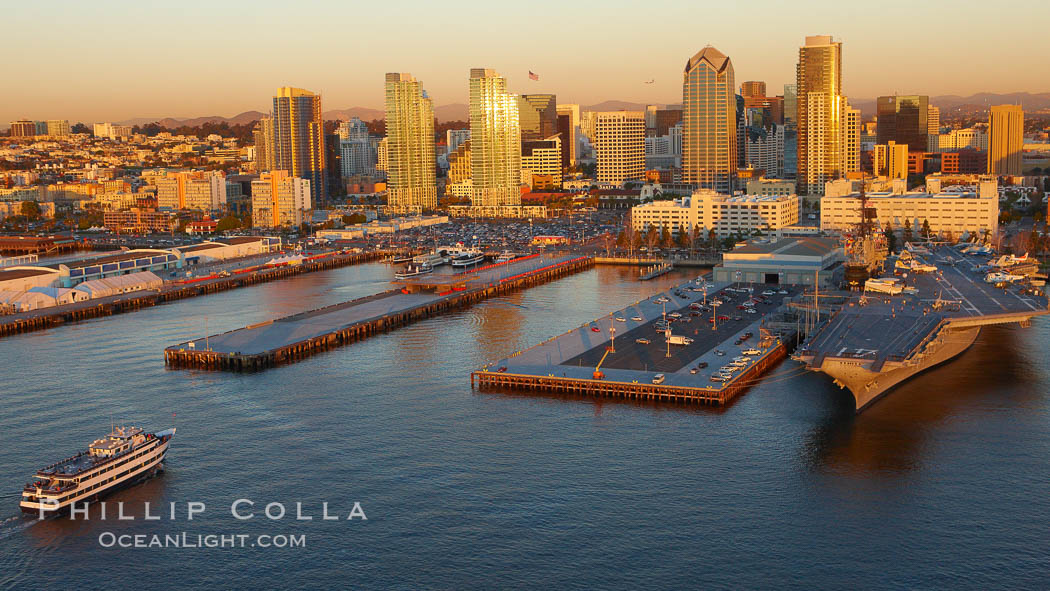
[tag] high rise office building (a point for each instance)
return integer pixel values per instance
(298, 139)
(537, 116)
(263, 137)
(355, 147)
(933, 118)
(455, 137)
(890, 160)
(791, 104)
(569, 129)
(495, 140)
(752, 88)
(1005, 139)
(709, 116)
(904, 120)
(824, 150)
(619, 146)
(58, 127)
(411, 173)
(23, 128)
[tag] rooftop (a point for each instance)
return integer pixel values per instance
(790, 247)
(10, 274)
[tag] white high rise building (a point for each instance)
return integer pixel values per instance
(495, 140)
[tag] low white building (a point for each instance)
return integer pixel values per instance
(794, 261)
(727, 215)
(956, 211)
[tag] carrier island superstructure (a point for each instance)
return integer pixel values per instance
(932, 311)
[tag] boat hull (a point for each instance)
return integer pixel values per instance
(150, 465)
(867, 386)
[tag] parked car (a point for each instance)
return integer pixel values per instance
(642, 341)
(658, 378)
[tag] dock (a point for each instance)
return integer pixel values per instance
(631, 352)
(656, 271)
(292, 338)
(46, 318)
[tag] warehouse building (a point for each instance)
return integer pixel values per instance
(789, 261)
(232, 248)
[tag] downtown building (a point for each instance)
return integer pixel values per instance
(292, 139)
(495, 141)
(890, 160)
(410, 160)
(710, 151)
(200, 190)
(280, 200)
(954, 210)
(904, 120)
(537, 116)
(619, 146)
(541, 163)
(828, 128)
(727, 215)
(1005, 139)
(356, 154)
(569, 128)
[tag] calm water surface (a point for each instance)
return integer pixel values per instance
(943, 483)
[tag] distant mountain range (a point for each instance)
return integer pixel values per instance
(949, 104)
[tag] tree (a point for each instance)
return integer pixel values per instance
(228, 223)
(79, 128)
(665, 237)
(621, 239)
(30, 209)
(949, 237)
(356, 218)
(891, 238)
(712, 237)
(908, 236)
(926, 228)
(682, 239)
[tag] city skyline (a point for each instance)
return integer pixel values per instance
(190, 81)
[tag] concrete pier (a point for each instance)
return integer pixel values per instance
(632, 352)
(95, 308)
(289, 339)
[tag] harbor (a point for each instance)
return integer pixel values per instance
(118, 304)
(630, 355)
(292, 338)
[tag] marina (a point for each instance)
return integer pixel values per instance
(289, 339)
(630, 354)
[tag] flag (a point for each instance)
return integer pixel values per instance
(533, 76)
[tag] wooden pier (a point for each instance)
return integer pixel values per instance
(716, 395)
(51, 317)
(280, 341)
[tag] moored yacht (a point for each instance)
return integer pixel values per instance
(125, 456)
(414, 270)
(468, 258)
(505, 256)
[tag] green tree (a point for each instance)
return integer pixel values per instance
(908, 236)
(712, 238)
(355, 218)
(30, 209)
(891, 238)
(682, 240)
(665, 238)
(926, 228)
(228, 223)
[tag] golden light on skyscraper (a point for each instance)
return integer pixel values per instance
(495, 140)
(709, 135)
(410, 161)
(1006, 139)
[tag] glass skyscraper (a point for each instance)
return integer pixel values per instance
(709, 121)
(495, 140)
(298, 139)
(410, 166)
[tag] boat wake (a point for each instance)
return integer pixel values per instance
(15, 524)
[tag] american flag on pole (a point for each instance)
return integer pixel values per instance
(533, 76)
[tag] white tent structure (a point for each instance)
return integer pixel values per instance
(100, 288)
(24, 301)
(62, 295)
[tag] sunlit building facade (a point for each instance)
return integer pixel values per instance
(619, 146)
(709, 121)
(298, 138)
(410, 166)
(495, 140)
(821, 110)
(1005, 139)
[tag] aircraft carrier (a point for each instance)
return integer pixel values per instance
(934, 311)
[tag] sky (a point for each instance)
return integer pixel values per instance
(109, 60)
